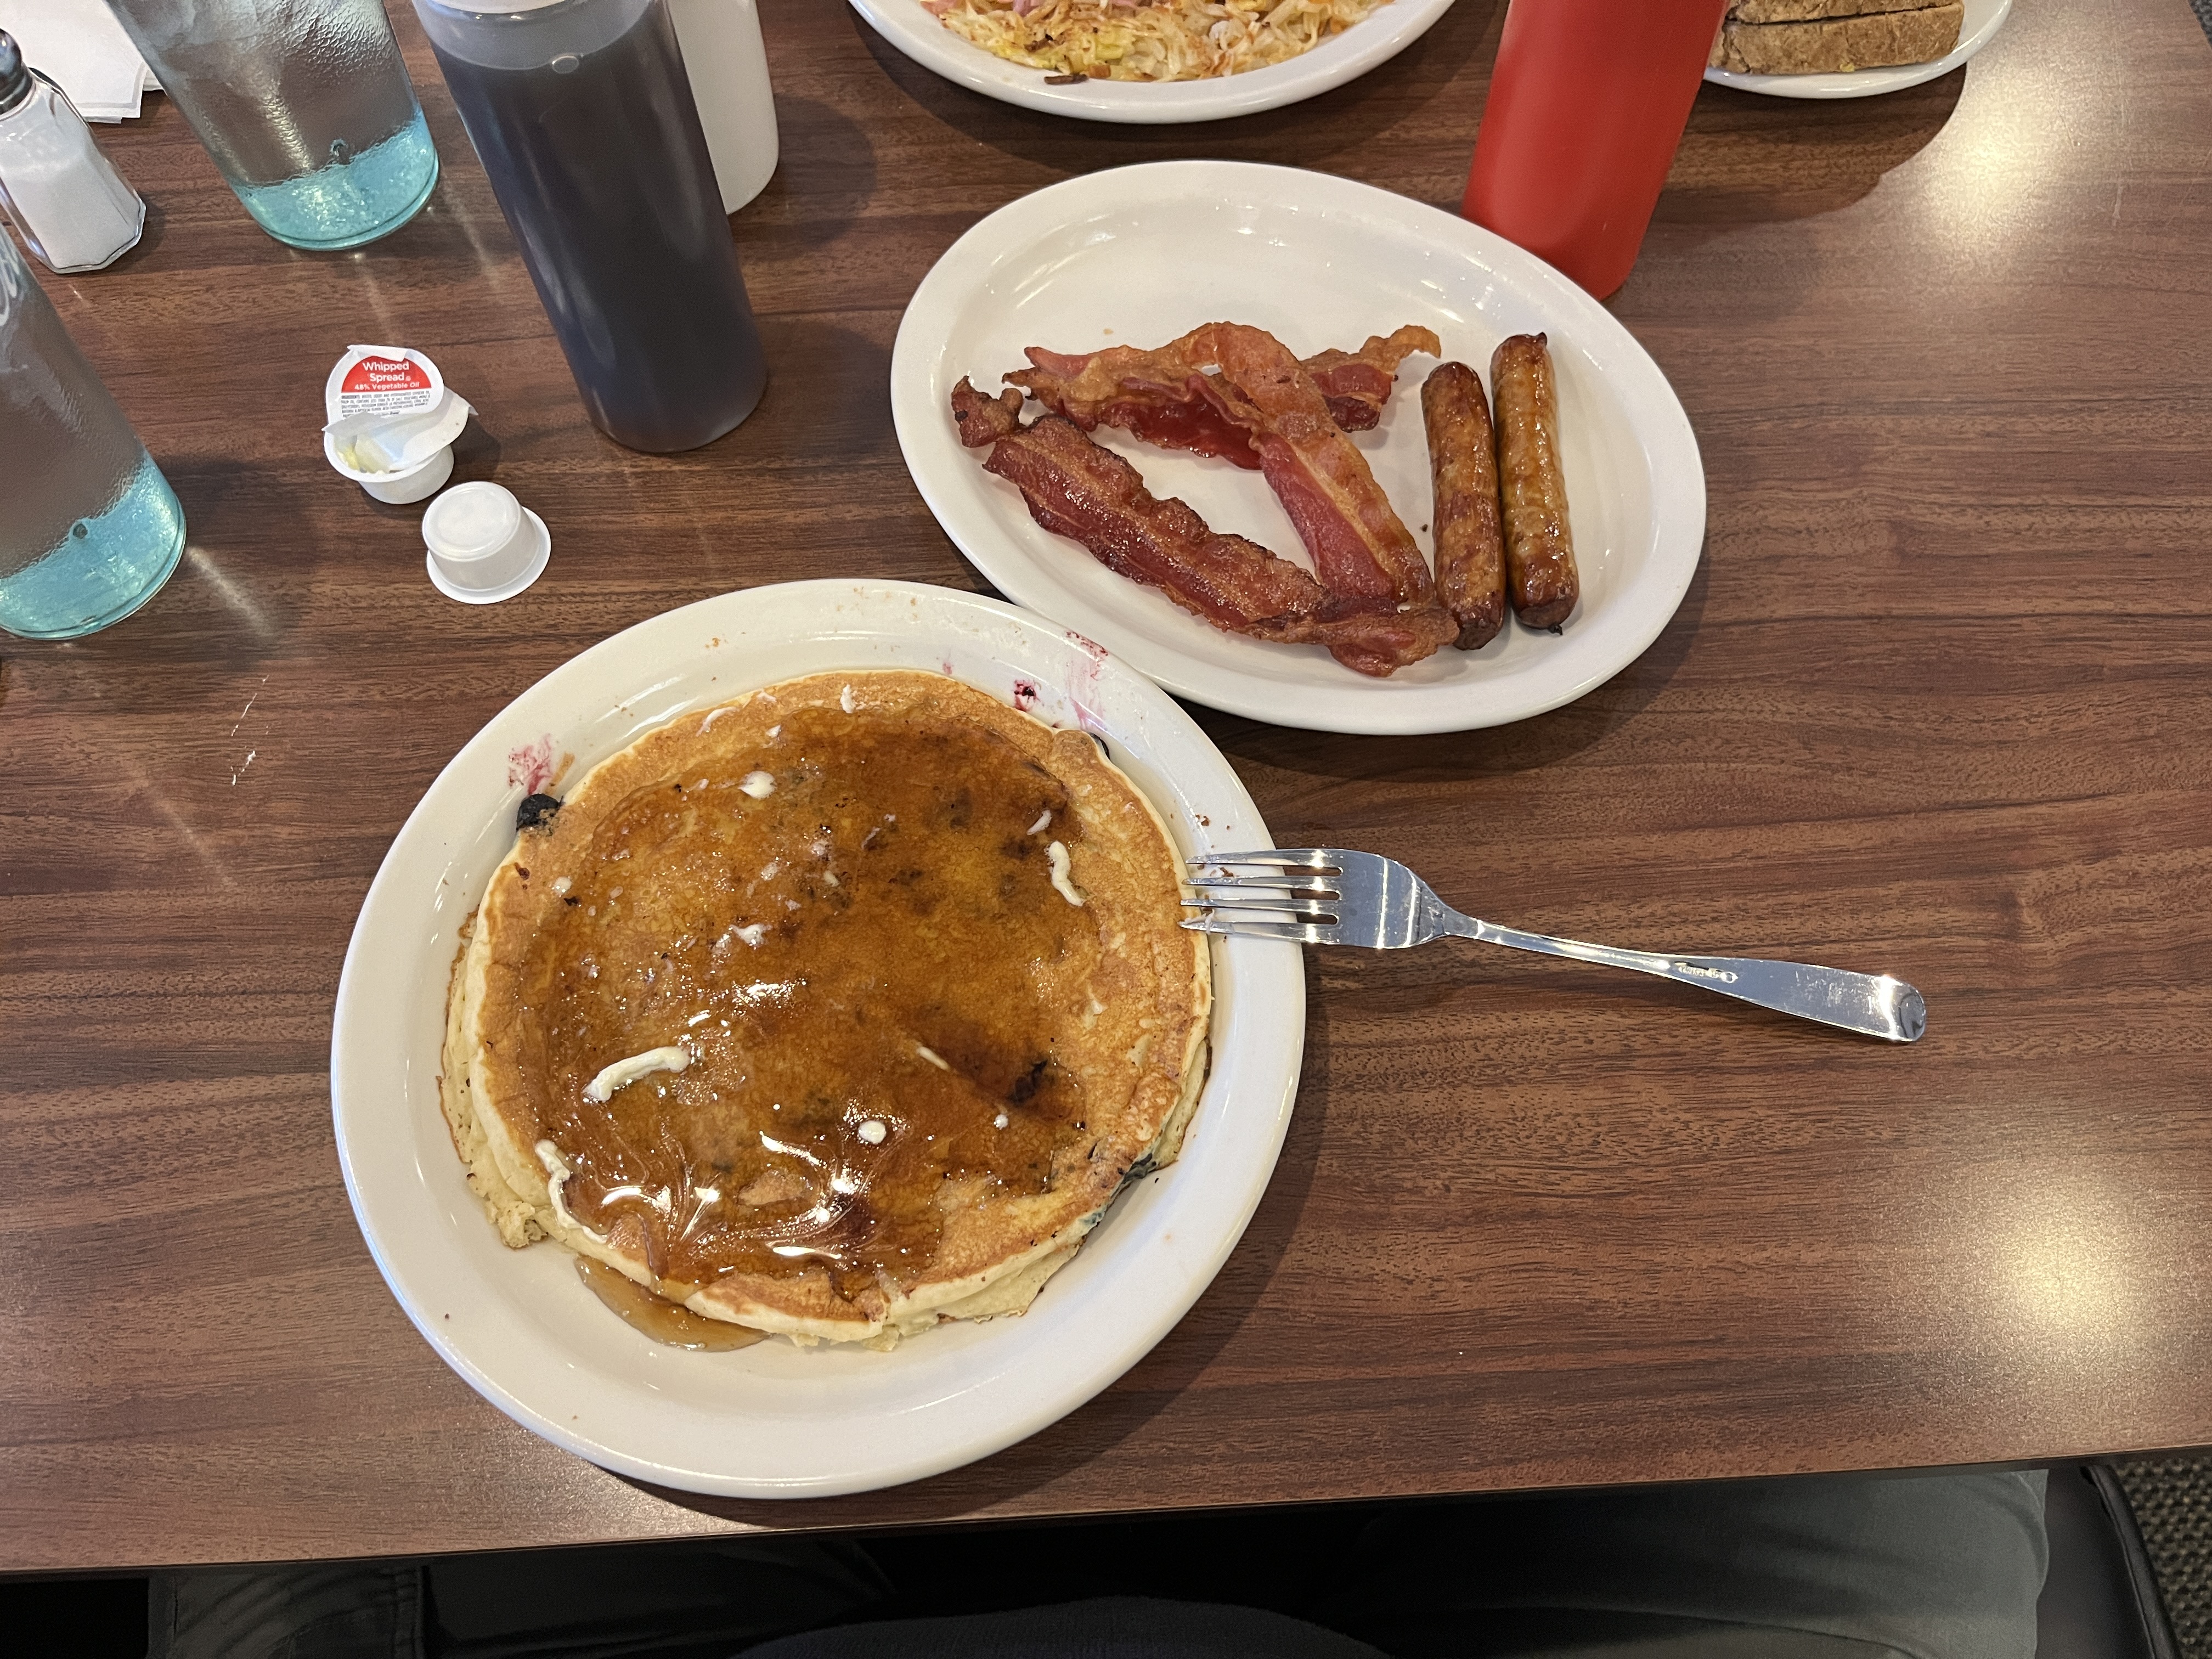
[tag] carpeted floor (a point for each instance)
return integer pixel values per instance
(2203, 10)
(2172, 1502)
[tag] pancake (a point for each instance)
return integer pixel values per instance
(835, 1011)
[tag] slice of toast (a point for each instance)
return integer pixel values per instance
(1839, 45)
(1809, 11)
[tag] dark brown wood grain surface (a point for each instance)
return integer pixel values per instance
(1939, 702)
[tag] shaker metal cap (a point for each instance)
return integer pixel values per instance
(14, 77)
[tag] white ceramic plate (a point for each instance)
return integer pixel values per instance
(1376, 38)
(1140, 255)
(774, 1420)
(1983, 20)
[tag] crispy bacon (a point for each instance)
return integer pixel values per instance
(1357, 542)
(1358, 383)
(1358, 545)
(1148, 394)
(1075, 488)
(984, 420)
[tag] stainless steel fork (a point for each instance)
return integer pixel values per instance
(1331, 896)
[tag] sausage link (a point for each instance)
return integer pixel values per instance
(1463, 477)
(1540, 547)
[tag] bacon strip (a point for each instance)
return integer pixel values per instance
(1358, 542)
(1076, 489)
(1359, 546)
(1148, 394)
(1358, 383)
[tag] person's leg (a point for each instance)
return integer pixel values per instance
(1120, 1627)
(306, 1610)
(1930, 1567)
(683, 1600)
(692, 1600)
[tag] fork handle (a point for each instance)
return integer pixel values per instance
(1873, 1003)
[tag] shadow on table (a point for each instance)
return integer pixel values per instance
(1302, 134)
(1149, 1388)
(150, 237)
(1749, 160)
(476, 454)
(825, 174)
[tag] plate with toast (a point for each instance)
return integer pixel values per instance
(1848, 48)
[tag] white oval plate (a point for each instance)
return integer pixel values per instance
(1983, 20)
(1375, 38)
(1140, 254)
(774, 1420)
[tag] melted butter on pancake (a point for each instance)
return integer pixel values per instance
(624, 1072)
(902, 1093)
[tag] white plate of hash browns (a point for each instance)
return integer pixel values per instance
(948, 47)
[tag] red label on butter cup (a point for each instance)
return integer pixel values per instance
(383, 374)
(373, 379)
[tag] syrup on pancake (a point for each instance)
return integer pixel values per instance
(858, 941)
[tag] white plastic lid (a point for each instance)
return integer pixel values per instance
(472, 522)
(484, 545)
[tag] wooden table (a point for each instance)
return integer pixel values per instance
(1940, 701)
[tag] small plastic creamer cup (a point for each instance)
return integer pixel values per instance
(485, 546)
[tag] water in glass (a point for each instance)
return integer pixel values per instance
(89, 529)
(305, 106)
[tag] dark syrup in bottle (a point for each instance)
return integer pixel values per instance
(601, 168)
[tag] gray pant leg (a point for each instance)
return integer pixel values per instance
(311, 1611)
(1115, 1627)
(1930, 1567)
(698, 1600)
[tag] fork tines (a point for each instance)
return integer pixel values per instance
(1317, 886)
(1296, 857)
(1304, 909)
(1280, 895)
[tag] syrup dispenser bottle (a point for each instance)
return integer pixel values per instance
(583, 116)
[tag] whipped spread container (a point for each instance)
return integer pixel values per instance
(391, 421)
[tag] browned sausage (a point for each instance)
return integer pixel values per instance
(1463, 476)
(1540, 547)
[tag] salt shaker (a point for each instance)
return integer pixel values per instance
(66, 198)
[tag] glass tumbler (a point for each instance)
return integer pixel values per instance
(305, 106)
(89, 529)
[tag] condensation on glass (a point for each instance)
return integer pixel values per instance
(305, 105)
(89, 529)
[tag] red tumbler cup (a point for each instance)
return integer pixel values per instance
(1587, 104)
